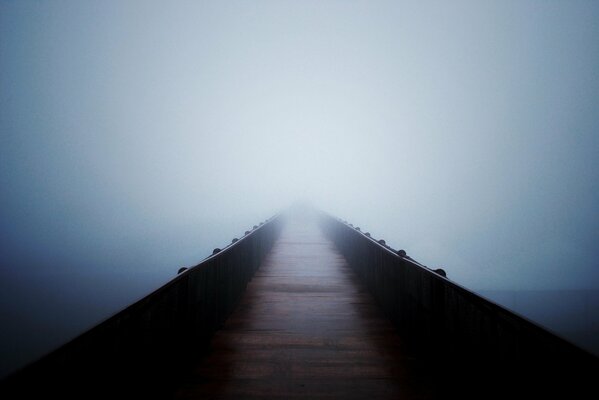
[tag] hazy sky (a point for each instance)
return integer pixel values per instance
(137, 136)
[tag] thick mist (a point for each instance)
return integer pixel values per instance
(137, 136)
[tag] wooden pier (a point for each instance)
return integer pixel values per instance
(306, 327)
(305, 305)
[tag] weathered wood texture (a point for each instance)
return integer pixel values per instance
(306, 327)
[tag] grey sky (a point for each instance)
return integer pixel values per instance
(136, 136)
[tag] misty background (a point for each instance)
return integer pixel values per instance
(137, 136)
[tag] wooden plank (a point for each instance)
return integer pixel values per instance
(306, 328)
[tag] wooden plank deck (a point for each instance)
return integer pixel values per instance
(305, 328)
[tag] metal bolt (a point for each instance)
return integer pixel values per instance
(441, 272)
(234, 240)
(217, 250)
(402, 253)
(182, 269)
(382, 242)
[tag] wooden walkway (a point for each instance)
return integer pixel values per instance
(305, 328)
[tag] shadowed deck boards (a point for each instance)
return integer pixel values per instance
(305, 328)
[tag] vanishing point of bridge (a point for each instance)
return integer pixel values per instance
(308, 306)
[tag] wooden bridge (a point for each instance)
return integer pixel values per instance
(308, 306)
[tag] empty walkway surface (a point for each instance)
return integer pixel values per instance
(305, 328)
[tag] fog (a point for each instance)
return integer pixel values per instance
(137, 136)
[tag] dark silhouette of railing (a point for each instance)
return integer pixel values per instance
(475, 348)
(139, 351)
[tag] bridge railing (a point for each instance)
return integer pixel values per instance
(469, 342)
(139, 350)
